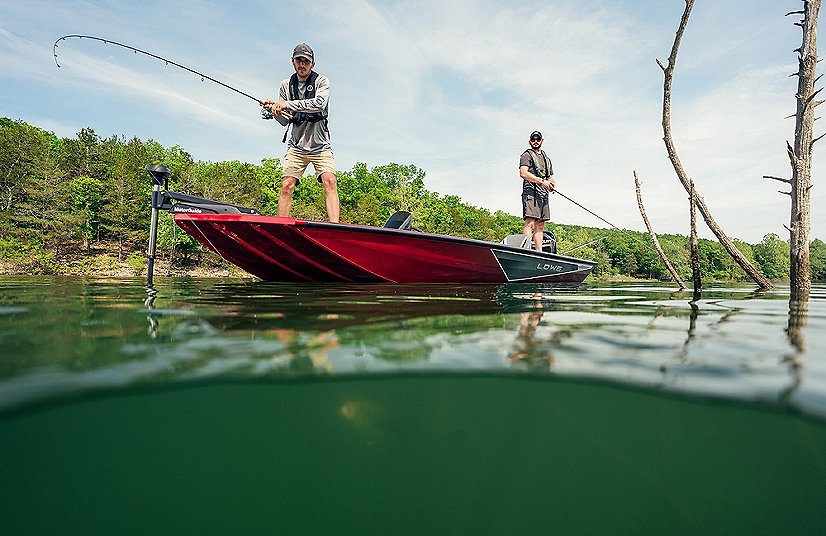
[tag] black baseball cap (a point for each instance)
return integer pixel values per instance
(536, 133)
(303, 50)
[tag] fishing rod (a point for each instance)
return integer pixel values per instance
(601, 218)
(586, 210)
(167, 61)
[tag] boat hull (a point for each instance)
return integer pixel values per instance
(285, 249)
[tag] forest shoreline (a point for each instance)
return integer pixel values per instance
(104, 262)
(78, 206)
(107, 266)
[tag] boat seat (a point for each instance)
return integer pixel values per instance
(522, 241)
(399, 220)
(517, 241)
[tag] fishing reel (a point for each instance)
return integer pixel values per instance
(266, 114)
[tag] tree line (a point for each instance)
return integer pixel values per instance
(63, 198)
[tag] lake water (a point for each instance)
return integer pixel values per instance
(242, 407)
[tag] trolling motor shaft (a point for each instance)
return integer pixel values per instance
(160, 179)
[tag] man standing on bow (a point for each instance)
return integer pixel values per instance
(537, 181)
(303, 105)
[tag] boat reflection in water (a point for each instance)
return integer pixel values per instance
(388, 323)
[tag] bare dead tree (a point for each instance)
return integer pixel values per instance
(724, 240)
(695, 246)
(654, 238)
(801, 154)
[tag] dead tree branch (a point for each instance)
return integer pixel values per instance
(695, 246)
(654, 238)
(781, 179)
(724, 240)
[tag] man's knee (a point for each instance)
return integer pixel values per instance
(287, 185)
(328, 179)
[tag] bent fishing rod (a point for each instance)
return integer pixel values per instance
(151, 55)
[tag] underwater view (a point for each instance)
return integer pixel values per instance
(217, 406)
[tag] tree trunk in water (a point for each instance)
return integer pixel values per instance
(695, 247)
(651, 232)
(801, 155)
(724, 240)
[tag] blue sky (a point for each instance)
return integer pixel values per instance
(454, 88)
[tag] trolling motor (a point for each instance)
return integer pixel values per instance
(160, 178)
(163, 199)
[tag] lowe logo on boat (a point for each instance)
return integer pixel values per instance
(547, 267)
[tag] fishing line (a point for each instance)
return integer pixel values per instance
(586, 210)
(649, 246)
(151, 55)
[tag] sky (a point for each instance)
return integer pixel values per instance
(453, 87)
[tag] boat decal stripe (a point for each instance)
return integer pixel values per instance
(221, 243)
(257, 251)
(373, 276)
(296, 253)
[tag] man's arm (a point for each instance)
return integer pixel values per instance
(548, 183)
(279, 114)
(316, 104)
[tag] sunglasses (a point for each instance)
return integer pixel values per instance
(536, 139)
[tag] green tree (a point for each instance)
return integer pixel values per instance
(269, 180)
(125, 216)
(772, 256)
(30, 180)
(87, 202)
(817, 254)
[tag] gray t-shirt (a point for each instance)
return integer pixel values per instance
(540, 165)
(308, 137)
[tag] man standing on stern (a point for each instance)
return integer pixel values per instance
(303, 105)
(537, 180)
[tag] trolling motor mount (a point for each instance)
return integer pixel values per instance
(163, 199)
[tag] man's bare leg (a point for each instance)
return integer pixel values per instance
(328, 180)
(285, 198)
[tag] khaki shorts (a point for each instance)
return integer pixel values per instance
(536, 207)
(295, 164)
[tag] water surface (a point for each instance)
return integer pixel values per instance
(233, 406)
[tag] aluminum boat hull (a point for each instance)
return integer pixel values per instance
(290, 250)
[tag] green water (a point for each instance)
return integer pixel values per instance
(238, 408)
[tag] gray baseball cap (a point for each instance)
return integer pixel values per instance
(303, 50)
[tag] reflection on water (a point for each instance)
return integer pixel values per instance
(532, 352)
(61, 336)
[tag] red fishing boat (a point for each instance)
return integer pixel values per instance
(292, 250)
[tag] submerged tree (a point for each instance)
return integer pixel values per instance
(654, 238)
(801, 154)
(724, 240)
(695, 247)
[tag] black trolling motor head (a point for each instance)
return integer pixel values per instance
(160, 174)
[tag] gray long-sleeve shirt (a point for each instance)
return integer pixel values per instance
(307, 138)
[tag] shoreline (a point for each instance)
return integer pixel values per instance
(110, 267)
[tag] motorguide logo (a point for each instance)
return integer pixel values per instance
(191, 210)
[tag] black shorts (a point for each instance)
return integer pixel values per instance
(536, 207)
